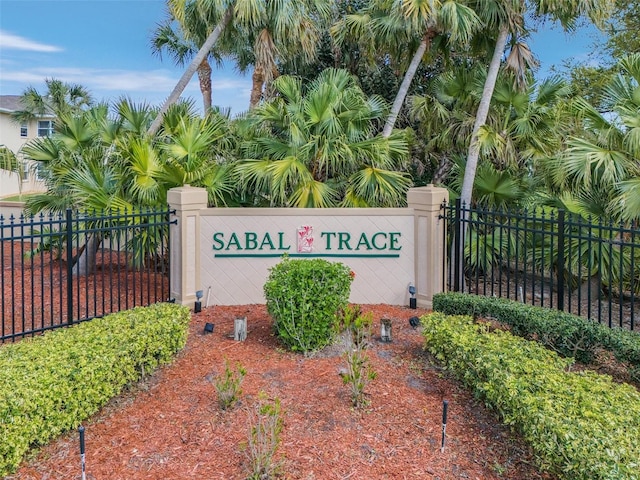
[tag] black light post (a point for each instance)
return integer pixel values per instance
(197, 307)
(82, 458)
(445, 407)
(412, 299)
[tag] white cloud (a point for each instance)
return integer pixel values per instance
(152, 86)
(119, 80)
(15, 42)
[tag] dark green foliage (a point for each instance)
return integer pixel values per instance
(304, 297)
(582, 426)
(53, 382)
(567, 334)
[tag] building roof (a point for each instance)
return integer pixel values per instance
(13, 103)
(10, 103)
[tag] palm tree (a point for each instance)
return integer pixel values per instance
(314, 147)
(598, 173)
(125, 168)
(9, 161)
(182, 41)
(274, 32)
(508, 18)
(95, 162)
(60, 98)
(178, 9)
(523, 126)
(409, 25)
(274, 28)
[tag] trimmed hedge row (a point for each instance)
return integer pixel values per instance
(53, 382)
(582, 426)
(567, 334)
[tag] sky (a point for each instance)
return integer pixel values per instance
(104, 45)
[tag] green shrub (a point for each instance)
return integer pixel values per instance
(357, 328)
(53, 382)
(227, 385)
(265, 429)
(582, 426)
(567, 334)
(304, 297)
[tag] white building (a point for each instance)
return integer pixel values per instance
(14, 135)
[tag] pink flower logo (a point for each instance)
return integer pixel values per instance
(305, 239)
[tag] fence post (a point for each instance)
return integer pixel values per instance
(69, 225)
(560, 260)
(184, 260)
(458, 252)
(430, 253)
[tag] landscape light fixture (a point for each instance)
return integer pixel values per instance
(385, 330)
(197, 307)
(82, 454)
(412, 299)
(445, 408)
(208, 327)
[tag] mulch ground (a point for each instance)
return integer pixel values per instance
(35, 288)
(171, 427)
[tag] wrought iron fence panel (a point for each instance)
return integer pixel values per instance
(61, 269)
(546, 258)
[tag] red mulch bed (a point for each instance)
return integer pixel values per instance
(170, 426)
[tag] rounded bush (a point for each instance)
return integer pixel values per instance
(303, 298)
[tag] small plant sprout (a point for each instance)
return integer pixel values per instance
(265, 427)
(228, 385)
(358, 372)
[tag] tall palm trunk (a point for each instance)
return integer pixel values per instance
(204, 76)
(457, 257)
(256, 90)
(191, 69)
(481, 116)
(406, 83)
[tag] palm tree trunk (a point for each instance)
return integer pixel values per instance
(474, 150)
(256, 90)
(204, 76)
(191, 69)
(481, 116)
(86, 262)
(406, 83)
(442, 172)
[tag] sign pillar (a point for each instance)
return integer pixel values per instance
(184, 263)
(430, 239)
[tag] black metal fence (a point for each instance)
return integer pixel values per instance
(60, 269)
(551, 259)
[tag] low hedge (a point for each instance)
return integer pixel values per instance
(567, 334)
(53, 382)
(581, 426)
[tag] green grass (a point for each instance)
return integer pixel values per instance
(16, 198)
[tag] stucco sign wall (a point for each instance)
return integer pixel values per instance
(239, 245)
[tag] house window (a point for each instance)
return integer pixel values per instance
(25, 172)
(45, 128)
(24, 131)
(39, 172)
